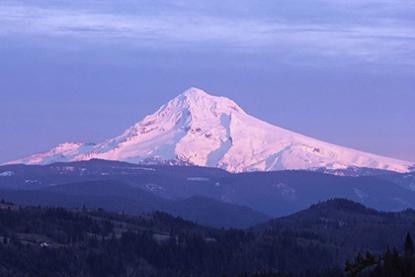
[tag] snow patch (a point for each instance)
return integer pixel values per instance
(198, 179)
(359, 193)
(6, 174)
(154, 187)
(68, 168)
(145, 168)
(285, 189)
(32, 182)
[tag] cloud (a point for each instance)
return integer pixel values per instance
(383, 39)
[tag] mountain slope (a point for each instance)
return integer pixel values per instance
(199, 129)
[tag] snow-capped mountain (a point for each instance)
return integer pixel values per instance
(201, 129)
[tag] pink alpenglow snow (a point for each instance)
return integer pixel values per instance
(200, 129)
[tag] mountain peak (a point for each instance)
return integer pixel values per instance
(201, 104)
(195, 92)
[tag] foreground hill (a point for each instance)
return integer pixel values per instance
(204, 130)
(82, 242)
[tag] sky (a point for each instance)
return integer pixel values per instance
(338, 70)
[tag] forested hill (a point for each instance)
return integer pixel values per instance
(347, 224)
(36, 241)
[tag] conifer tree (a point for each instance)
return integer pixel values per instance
(409, 246)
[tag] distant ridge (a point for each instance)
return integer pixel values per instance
(119, 197)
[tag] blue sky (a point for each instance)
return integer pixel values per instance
(338, 70)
